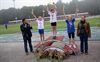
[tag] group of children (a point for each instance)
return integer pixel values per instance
(83, 29)
(53, 21)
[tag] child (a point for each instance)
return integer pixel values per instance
(53, 20)
(70, 28)
(40, 22)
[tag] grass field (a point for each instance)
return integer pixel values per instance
(15, 28)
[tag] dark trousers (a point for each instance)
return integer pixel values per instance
(71, 35)
(27, 40)
(84, 43)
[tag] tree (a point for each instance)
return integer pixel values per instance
(90, 6)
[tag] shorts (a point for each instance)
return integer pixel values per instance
(41, 31)
(71, 35)
(53, 24)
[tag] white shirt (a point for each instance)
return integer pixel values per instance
(53, 16)
(40, 24)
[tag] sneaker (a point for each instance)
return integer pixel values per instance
(86, 53)
(81, 52)
(32, 52)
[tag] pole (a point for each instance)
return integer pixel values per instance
(63, 9)
(15, 8)
(77, 9)
(32, 12)
(43, 12)
(14, 3)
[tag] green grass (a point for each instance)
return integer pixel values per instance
(15, 28)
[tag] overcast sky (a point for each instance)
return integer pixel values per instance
(5, 4)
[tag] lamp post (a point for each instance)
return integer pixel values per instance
(15, 14)
(77, 9)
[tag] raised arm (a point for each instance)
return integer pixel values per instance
(33, 14)
(35, 17)
(47, 8)
(66, 19)
(55, 7)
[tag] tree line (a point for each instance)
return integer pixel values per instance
(90, 6)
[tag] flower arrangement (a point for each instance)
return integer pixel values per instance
(46, 49)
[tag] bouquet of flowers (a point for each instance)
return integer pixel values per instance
(71, 49)
(40, 49)
(56, 53)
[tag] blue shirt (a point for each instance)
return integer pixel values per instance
(70, 26)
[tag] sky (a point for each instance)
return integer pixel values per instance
(5, 4)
